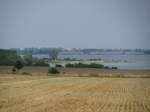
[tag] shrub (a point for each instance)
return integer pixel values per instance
(91, 65)
(40, 63)
(57, 65)
(114, 68)
(18, 65)
(26, 73)
(14, 70)
(53, 70)
(69, 65)
(94, 65)
(94, 75)
(82, 65)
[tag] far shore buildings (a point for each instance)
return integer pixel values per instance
(78, 54)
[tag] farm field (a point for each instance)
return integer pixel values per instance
(19, 93)
(42, 71)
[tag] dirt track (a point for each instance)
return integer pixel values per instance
(70, 94)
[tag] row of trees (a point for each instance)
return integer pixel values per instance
(91, 65)
(10, 57)
(82, 65)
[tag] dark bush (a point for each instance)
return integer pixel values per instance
(18, 65)
(57, 65)
(53, 70)
(114, 68)
(40, 63)
(14, 70)
(93, 75)
(94, 65)
(81, 65)
(69, 65)
(26, 73)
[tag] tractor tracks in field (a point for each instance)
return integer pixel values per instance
(79, 95)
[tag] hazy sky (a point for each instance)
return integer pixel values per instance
(75, 23)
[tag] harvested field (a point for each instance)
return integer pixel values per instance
(79, 72)
(21, 93)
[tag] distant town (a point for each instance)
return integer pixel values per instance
(75, 51)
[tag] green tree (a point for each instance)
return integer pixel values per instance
(53, 70)
(28, 59)
(8, 57)
(40, 62)
(53, 54)
(19, 65)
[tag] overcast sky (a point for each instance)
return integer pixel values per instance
(75, 23)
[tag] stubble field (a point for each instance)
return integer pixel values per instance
(22, 93)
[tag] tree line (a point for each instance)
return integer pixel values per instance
(10, 57)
